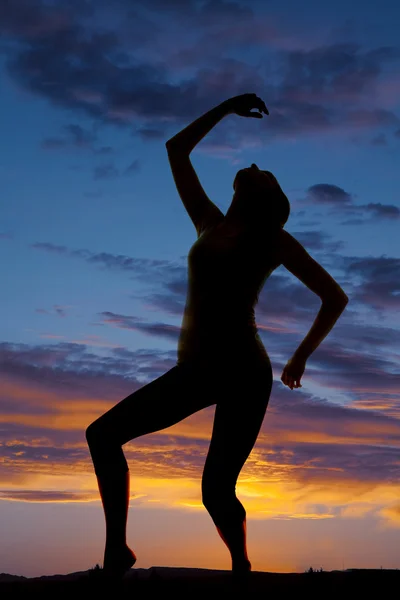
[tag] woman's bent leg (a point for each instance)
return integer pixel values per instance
(157, 405)
(237, 422)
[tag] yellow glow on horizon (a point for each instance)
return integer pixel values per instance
(262, 499)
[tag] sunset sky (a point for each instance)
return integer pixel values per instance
(94, 241)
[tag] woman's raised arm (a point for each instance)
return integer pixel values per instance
(190, 136)
(200, 208)
(241, 105)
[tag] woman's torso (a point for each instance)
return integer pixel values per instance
(227, 269)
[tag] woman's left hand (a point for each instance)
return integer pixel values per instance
(242, 105)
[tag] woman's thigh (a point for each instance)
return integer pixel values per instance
(175, 395)
(239, 415)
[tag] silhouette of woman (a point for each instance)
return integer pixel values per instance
(221, 359)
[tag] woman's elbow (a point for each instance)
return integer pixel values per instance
(176, 145)
(171, 143)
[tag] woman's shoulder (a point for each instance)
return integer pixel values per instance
(282, 245)
(290, 249)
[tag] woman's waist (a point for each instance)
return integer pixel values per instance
(220, 333)
(209, 321)
(236, 342)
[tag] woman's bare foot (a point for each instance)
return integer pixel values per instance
(241, 574)
(117, 561)
(241, 567)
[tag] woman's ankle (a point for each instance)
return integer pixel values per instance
(121, 558)
(115, 544)
(242, 565)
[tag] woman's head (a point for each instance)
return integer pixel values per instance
(258, 195)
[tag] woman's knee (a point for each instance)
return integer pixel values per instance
(93, 432)
(223, 504)
(216, 493)
(103, 432)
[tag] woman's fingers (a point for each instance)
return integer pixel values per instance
(290, 381)
(263, 107)
(242, 105)
(260, 105)
(257, 115)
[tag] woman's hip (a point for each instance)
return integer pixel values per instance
(233, 377)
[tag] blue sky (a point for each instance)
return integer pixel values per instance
(94, 240)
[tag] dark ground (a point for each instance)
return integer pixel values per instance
(203, 583)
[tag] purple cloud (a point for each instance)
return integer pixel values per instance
(58, 310)
(46, 496)
(380, 281)
(170, 332)
(148, 133)
(327, 193)
(103, 73)
(76, 137)
(283, 297)
(387, 211)
(339, 200)
(323, 441)
(304, 439)
(140, 267)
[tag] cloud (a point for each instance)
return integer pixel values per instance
(327, 193)
(319, 457)
(367, 119)
(32, 20)
(75, 136)
(148, 133)
(80, 136)
(53, 143)
(143, 268)
(135, 73)
(108, 171)
(133, 167)
(379, 140)
(379, 210)
(170, 332)
(345, 72)
(46, 496)
(51, 247)
(59, 311)
(316, 240)
(341, 202)
(283, 300)
(379, 287)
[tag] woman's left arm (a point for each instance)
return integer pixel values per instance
(190, 136)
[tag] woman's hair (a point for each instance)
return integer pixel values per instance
(283, 209)
(277, 204)
(280, 207)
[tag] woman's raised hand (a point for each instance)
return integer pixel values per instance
(243, 104)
